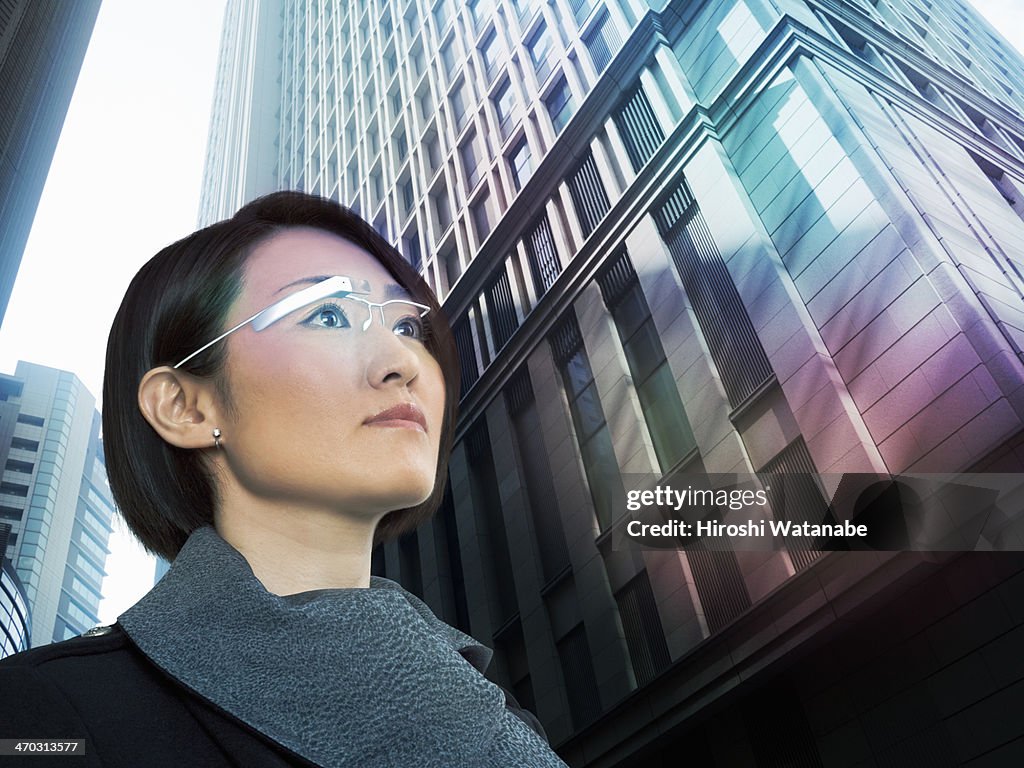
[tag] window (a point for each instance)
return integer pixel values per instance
(426, 105)
(460, 113)
(10, 513)
(468, 370)
(381, 225)
(793, 492)
(601, 42)
(486, 496)
(580, 680)
(541, 253)
(512, 647)
(442, 207)
(448, 57)
(580, 10)
(81, 617)
(408, 195)
(489, 54)
(588, 195)
(481, 217)
(441, 16)
(22, 444)
(504, 106)
(419, 61)
(13, 489)
(523, 8)
(501, 309)
(655, 385)
(433, 152)
(377, 187)
(475, 8)
(87, 568)
(735, 348)
(470, 161)
(411, 249)
(409, 562)
(452, 266)
(540, 489)
(374, 137)
(412, 21)
(645, 636)
(83, 590)
(1011, 192)
(446, 540)
(521, 161)
(35, 421)
(560, 105)
(539, 46)
(401, 146)
(22, 467)
(592, 434)
(639, 128)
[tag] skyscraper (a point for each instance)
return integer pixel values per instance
(42, 45)
(55, 497)
(779, 238)
(15, 619)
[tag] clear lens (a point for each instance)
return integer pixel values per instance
(403, 318)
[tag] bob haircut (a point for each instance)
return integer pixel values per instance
(179, 301)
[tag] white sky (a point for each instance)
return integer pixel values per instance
(125, 182)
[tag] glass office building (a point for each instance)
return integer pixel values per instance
(56, 499)
(15, 620)
(764, 237)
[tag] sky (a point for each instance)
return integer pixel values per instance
(124, 182)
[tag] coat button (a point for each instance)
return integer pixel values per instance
(98, 631)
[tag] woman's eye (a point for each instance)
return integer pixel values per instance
(410, 326)
(329, 317)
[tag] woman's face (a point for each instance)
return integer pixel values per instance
(307, 391)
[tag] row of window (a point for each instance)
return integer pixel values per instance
(953, 105)
(637, 609)
(955, 39)
(506, 301)
(601, 39)
(718, 579)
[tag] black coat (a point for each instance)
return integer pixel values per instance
(101, 688)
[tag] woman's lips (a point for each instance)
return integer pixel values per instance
(403, 415)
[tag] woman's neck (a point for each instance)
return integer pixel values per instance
(294, 551)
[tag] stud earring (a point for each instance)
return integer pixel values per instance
(216, 437)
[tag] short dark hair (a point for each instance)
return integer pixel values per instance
(179, 301)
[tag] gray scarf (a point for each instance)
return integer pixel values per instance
(344, 677)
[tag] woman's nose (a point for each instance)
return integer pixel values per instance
(392, 359)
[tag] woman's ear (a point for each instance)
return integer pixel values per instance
(180, 407)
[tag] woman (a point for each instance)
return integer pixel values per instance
(279, 397)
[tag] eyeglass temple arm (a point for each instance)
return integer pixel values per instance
(333, 286)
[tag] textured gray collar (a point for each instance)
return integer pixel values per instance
(343, 677)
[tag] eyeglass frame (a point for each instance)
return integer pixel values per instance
(337, 285)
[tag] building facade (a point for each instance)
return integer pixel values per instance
(42, 45)
(15, 620)
(762, 237)
(56, 499)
